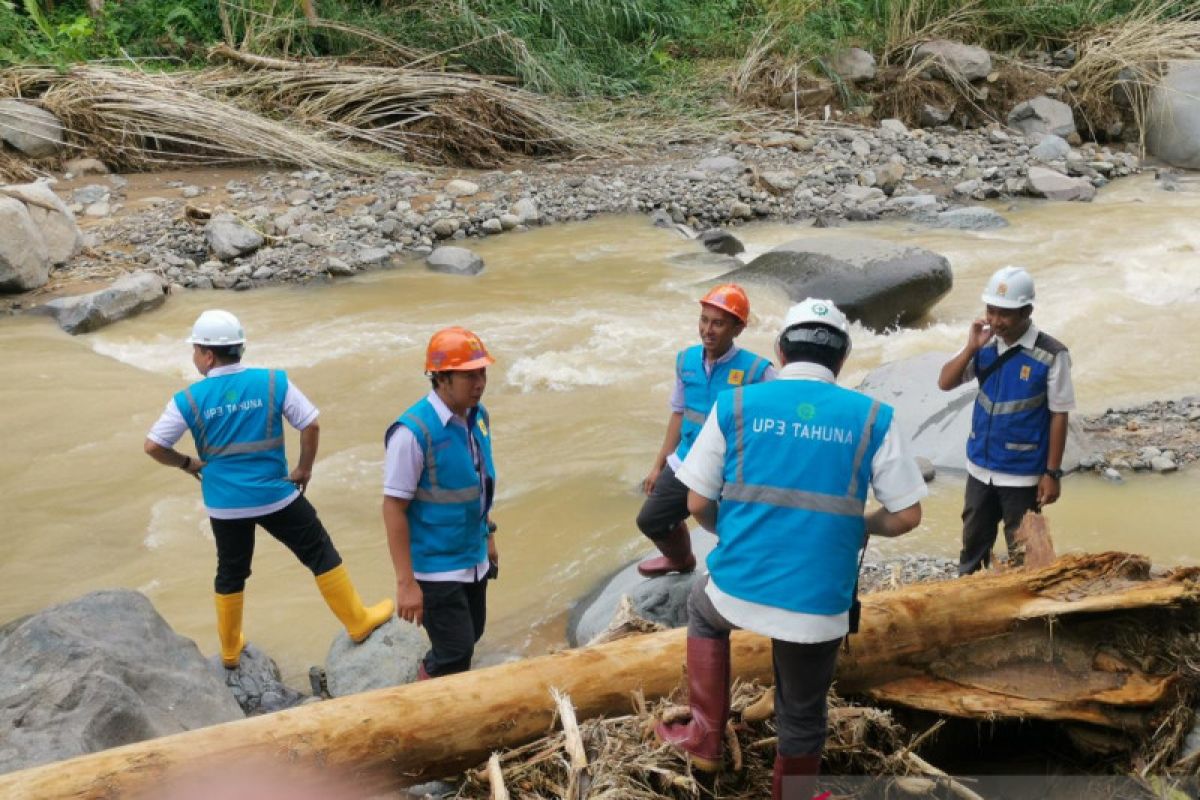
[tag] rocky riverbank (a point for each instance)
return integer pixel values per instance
(1160, 436)
(303, 226)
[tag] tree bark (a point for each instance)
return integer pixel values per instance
(966, 647)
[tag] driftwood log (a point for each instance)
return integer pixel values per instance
(1093, 639)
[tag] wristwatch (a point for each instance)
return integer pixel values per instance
(1055, 473)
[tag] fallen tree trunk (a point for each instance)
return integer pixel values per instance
(910, 642)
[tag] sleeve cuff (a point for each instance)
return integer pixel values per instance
(309, 420)
(400, 494)
(697, 484)
(894, 504)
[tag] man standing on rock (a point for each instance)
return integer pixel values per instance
(780, 472)
(702, 372)
(1019, 422)
(235, 415)
(439, 482)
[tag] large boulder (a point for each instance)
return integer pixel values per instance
(875, 282)
(1173, 121)
(388, 657)
(454, 261)
(1042, 116)
(24, 257)
(936, 422)
(53, 218)
(99, 672)
(1052, 185)
(662, 600)
(954, 60)
(30, 130)
(128, 296)
(718, 240)
(256, 683)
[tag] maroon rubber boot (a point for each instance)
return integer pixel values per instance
(703, 738)
(795, 777)
(676, 549)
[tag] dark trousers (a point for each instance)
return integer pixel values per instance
(665, 508)
(455, 614)
(296, 526)
(803, 675)
(984, 508)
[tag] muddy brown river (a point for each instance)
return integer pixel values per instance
(583, 320)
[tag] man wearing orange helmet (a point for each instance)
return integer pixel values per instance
(701, 373)
(439, 481)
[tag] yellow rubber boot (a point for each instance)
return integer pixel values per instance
(229, 628)
(343, 600)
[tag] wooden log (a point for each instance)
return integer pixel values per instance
(395, 737)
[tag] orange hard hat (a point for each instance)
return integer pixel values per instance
(729, 297)
(454, 349)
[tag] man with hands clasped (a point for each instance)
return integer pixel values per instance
(1019, 421)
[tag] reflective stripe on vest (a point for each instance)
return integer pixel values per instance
(435, 493)
(268, 442)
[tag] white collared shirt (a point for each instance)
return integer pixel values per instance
(895, 479)
(1060, 398)
(402, 467)
(171, 426)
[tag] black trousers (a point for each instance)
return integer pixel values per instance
(665, 508)
(296, 526)
(455, 614)
(985, 507)
(803, 675)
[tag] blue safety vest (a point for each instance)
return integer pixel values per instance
(237, 423)
(700, 390)
(447, 517)
(790, 517)
(1010, 424)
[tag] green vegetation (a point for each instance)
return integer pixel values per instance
(604, 48)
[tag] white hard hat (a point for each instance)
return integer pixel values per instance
(1009, 287)
(217, 328)
(813, 311)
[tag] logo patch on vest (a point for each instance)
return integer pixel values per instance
(1026, 371)
(806, 411)
(736, 376)
(482, 426)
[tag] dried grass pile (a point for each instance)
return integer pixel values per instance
(607, 759)
(308, 114)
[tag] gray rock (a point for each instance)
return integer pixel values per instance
(98, 210)
(1043, 182)
(24, 256)
(256, 684)
(780, 181)
(1173, 120)
(893, 126)
(914, 204)
(936, 422)
(227, 238)
(875, 282)
(661, 218)
(99, 672)
(128, 296)
(717, 240)
(1051, 148)
(853, 65)
(454, 261)
(372, 256)
(492, 226)
(721, 165)
(299, 197)
(461, 188)
(189, 192)
(30, 130)
(90, 194)
(388, 657)
(741, 210)
(337, 267)
(662, 600)
(1042, 115)
(928, 470)
(954, 60)
(971, 218)
(509, 221)
(890, 174)
(527, 211)
(1162, 464)
(932, 116)
(53, 218)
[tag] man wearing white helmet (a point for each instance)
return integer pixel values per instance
(235, 416)
(780, 473)
(1019, 422)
